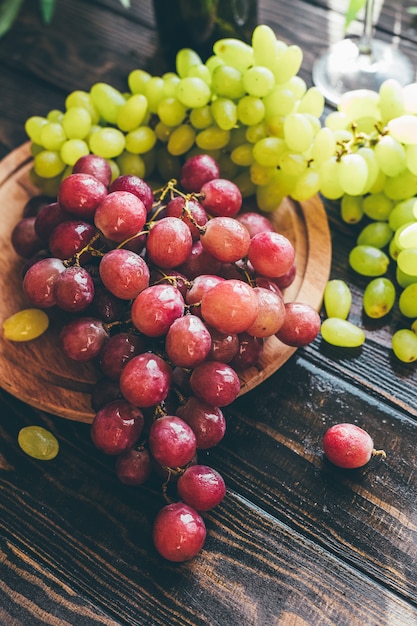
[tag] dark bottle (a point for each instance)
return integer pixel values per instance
(197, 24)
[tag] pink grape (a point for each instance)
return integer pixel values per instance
(80, 194)
(134, 466)
(171, 441)
(199, 286)
(39, 282)
(349, 446)
(221, 197)
(255, 222)
(199, 262)
(124, 273)
(271, 313)
(169, 242)
(190, 211)
(116, 427)
(249, 352)
(120, 216)
(271, 254)
(188, 341)
(118, 350)
(198, 170)
(226, 239)
(224, 346)
(83, 338)
(48, 218)
(24, 238)
(155, 309)
(145, 380)
(74, 289)
(106, 306)
(201, 487)
(215, 383)
(70, 237)
(207, 422)
(178, 532)
(94, 165)
(231, 306)
(301, 325)
(135, 185)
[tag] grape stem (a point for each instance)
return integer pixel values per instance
(380, 453)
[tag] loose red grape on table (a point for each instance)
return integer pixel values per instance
(173, 293)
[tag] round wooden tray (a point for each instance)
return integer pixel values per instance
(37, 371)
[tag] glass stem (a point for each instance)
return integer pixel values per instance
(365, 43)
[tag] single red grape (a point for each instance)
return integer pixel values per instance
(301, 324)
(179, 532)
(198, 170)
(116, 427)
(349, 446)
(201, 487)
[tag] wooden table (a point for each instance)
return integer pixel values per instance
(296, 541)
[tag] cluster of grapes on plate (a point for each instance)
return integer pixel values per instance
(172, 293)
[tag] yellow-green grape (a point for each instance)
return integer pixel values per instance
(201, 117)
(288, 64)
(292, 164)
(268, 151)
(411, 158)
(181, 140)
(400, 187)
(132, 113)
(403, 129)
(407, 261)
(201, 71)
(48, 164)
(25, 325)
(312, 102)
(351, 209)
(297, 85)
(154, 93)
(306, 186)
(407, 236)
(140, 140)
(107, 142)
(185, 59)
(270, 195)
(263, 44)
(80, 98)
(377, 206)
(408, 301)
(250, 110)
(129, 163)
(353, 173)
(402, 213)
(171, 80)
(414, 326)
(227, 81)
(52, 136)
(298, 132)
(38, 443)
(391, 100)
(373, 168)
(224, 113)
(107, 100)
(368, 260)
(390, 155)
(280, 101)
(330, 185)
(378, 297)
(336, 121)
(212, 138)
(342, 333)
(171, 111)
(337, 299)
(242, 155)
(258, 81)
(212, 62)
(404, 279)
(193, 92)
(261, 175)
(244, 183)
(376, 234)
(404, 345)
(162, 132)
(323, 146)
(234, 52)
(76, 123)
(358, 104)
(33, 126)
(137, 80)
(72, 150)
(255, 132)
(55, 116)
(115, 170)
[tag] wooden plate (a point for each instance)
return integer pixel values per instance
(38, 373)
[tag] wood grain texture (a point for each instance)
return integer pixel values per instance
(296, 542)
(39, 373)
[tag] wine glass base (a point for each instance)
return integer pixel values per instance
(344, 67)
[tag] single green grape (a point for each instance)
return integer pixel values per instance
(181, 140)
(201, 117)
(298, 132)
(368, 260)
(407, 261)
(48, 164)
(171, 111)
(212, 138)
(379, 297)
(258, 81)
(76, 123)
(107, 142)
(25, 325)
(52, 136)
(377, 206)
(132, 113)
(404, 279)
(250, 110)
(72, 150)
(140, 140)
(351, 209)
(408, 301)
(377, 234)
(404, 345)
(342, 333)
(38, 443)
(337, 299)
(224, 112)
(402, 213)
(107, 100)
(129, 163)
(193, 92)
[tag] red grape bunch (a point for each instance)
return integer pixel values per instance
(172, 293)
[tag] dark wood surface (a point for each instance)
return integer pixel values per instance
(295, 542)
